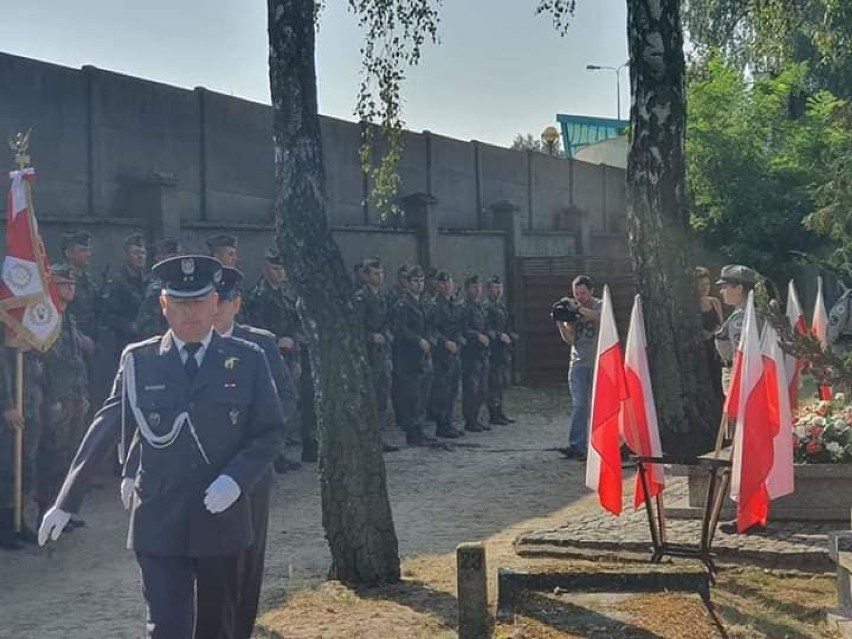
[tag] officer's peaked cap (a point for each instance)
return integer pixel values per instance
(229, 284)
(188, 276)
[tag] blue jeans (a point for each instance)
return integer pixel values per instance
(580, 385)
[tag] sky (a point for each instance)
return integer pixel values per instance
(498, 70)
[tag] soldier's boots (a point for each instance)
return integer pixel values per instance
(9, 539)
(474, 427)
(446, 430)
(496, 416)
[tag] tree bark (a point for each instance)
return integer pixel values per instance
(356, 512)
(658, 228)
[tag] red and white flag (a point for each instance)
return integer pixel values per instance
(779, 482)
(819, 329)
(794, 366)
(27, 301)
(639, 425)
(753, 439)
(609, 395)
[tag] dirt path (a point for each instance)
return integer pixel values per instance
(491, 486)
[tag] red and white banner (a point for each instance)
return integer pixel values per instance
(609, 395)
(819, 329)
(793, 366)
(27, 302)
(639, 426)
(755, 431)
(779, 482)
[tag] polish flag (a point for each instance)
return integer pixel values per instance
(794, 366)
(755, 432)
(609, 396)
(779, 482)
(28, 306)
(819, 329)
(639, 427)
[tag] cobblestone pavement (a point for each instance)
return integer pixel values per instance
(785, 545)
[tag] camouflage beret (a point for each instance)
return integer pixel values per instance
(221, 240)
(414, 271)
(472, 280)
(443, 276)
(63, 273)
(495, 279)
(371, 262)
(274, 256)
(76, 238)
(168, 245)
(737, 274)
(137, 239)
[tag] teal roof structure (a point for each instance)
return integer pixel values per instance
(579, 131)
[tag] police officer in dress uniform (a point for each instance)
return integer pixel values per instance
(150, 320)
(475, 355)
(445, 319)
(412, 358)
(123, 294)
(209, 424)
(66, 397)
(230, 300)
(502, 345)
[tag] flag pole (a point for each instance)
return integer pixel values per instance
(19, 441)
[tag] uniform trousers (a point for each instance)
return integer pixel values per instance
(474, 384)
(255, 555)
(191, 597)
(445, 388)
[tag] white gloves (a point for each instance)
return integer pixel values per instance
(221, 494)
(52, 525)
(127, 491)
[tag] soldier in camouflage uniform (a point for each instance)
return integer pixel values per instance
(150, 320)
(374, 312)
(77, 253)
(412, 359)
(735, 282)
(445, 319)
(66, 397)
(224, 248)
(269, 306)
(31, 422)
(502, 345)
(123, 294)
(475, 355)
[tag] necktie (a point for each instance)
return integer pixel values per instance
(191, 363)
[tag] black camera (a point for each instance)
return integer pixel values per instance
(565, 310)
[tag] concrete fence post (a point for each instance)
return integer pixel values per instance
(472, 591)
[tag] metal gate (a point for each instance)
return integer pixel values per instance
(542, 357)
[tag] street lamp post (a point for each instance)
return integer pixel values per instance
(617, 70)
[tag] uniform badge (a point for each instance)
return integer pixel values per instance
(154, 419)
(187, 266)
(234, 415)
(231, 363)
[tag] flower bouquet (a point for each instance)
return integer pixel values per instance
(823, 433)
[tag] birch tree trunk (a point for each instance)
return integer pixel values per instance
(356, 512)
(658, 228)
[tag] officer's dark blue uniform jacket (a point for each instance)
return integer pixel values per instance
(237, 416)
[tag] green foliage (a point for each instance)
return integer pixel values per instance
(395, 32)
(753, 170)
(529, 142)
(766, 36)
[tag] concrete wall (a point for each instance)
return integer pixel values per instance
(101, 138)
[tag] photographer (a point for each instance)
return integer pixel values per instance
(578, 320)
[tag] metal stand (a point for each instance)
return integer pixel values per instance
(720, 474)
